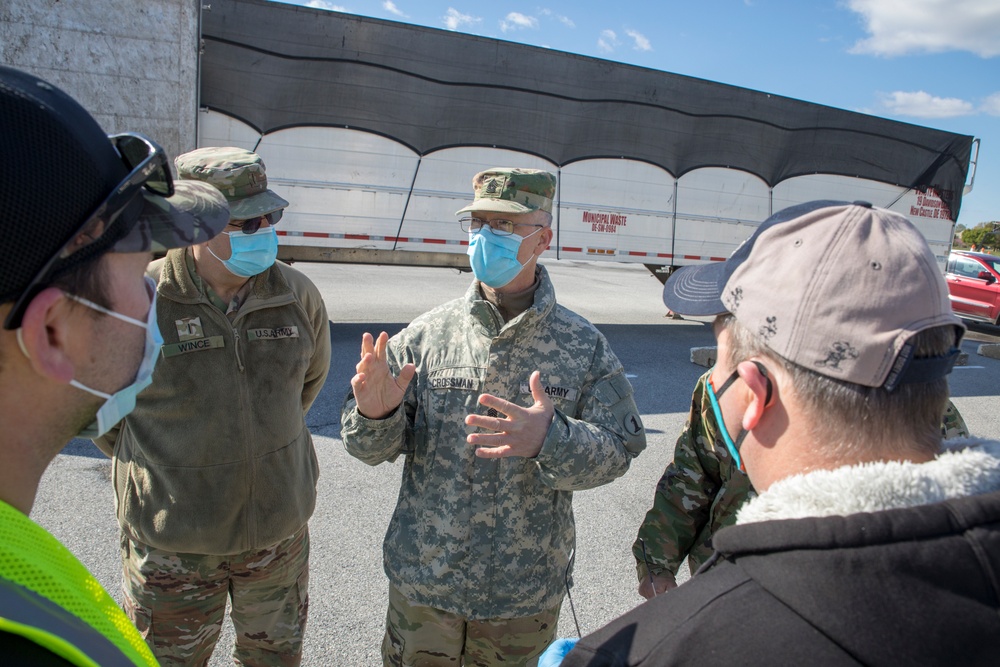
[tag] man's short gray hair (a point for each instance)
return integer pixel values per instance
(854, 420)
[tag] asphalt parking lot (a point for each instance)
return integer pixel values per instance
(348, 588)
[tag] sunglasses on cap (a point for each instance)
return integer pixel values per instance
(253, 224)
(148, 167)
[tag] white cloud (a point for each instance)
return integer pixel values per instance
(518, 21)
(608, 41)
(640, 42)
(901, 27)
(991, 105)
(454, 19)
(565, 20)
(323, 4)
(391, 7)
(925, 105)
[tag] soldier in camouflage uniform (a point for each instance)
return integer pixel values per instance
(699, 493)
(215, 473)
(503, 403)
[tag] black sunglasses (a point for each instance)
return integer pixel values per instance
(148, 168)
(253, 224)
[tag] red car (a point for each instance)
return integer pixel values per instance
(974, 285)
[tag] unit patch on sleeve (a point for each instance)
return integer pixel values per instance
(272, 334)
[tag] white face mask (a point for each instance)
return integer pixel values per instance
(116, 406)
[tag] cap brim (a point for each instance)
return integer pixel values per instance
(259, 204)
(696, 290)
(496, 206)
(194, 214)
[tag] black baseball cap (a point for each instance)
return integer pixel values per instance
(70, 192)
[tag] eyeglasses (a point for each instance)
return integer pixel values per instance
(253, 224)
(499, 227)
(148, 167)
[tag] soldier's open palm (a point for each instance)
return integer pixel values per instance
(377, 391)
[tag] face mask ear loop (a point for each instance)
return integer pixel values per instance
(721, 423)
(763, 371)
(737, 445)
(20, 343)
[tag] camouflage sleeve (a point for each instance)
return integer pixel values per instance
(683, 498)
(952, 425)
(376, 440)
(597, 444)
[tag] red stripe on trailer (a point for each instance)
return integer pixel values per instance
(717, 259)
(692, 256)
(316, 235)
(636, 253)
(569, 249)
(398, 239)
(434, 241)
(668, 255)
(357, 237)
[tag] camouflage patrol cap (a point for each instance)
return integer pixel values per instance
(61, 173)
(238, 173)
(511, 190)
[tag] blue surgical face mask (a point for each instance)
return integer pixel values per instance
(250, 253)
(493, 257)
(119, 404)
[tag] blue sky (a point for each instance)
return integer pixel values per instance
(928, 62)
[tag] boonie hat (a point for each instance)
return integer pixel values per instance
(510, 190)
(238, 174)
(69, 192)
(835, 287)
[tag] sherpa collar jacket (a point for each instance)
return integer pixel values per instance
(902, 569)
(216, 457)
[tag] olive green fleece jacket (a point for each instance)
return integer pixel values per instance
(216, 457)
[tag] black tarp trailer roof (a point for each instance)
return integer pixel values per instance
(274, 66)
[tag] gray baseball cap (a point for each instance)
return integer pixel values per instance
(835, 287)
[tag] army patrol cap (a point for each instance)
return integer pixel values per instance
(238, 174)
(70, 192)
(835, 287)
(511, 190)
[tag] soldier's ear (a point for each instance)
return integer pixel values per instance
(46, 335)
(545, 238)
(761, 388)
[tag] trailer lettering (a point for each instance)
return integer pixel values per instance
(604, 222)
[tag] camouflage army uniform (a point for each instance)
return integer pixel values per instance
(702, 489)
(491, 538)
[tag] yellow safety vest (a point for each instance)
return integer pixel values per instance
(48, 597)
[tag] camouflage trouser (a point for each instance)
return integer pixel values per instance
(178, 601)
(418, 636)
